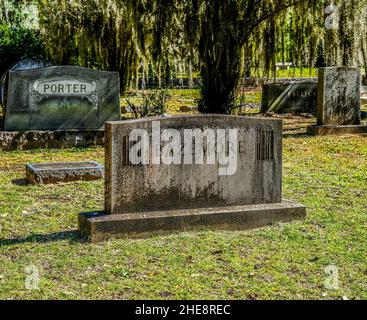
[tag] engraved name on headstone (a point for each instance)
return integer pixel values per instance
(61, 98)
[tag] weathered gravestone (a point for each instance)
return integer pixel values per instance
(289, 97)
(46, 173)
(339, 101)
(181, 173)
(24, 64)
(339, 96)
(61, 98)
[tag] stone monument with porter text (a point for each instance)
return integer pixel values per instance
(61, 98)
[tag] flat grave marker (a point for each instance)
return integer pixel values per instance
(47, 173)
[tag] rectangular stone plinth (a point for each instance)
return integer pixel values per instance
(336, 130)
(46, 173)
(26, 140)
(99, 226)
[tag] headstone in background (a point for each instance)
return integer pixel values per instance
(156, 197)
(339, 96)
(283, 65)
(47, 173)
(338, 102)
(61, 98)
(289, 98)
(25, 64)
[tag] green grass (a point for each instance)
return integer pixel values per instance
(297, 73)
(178, 98)
(285, 261)
(327, 174)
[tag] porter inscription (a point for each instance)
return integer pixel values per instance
(64, 87)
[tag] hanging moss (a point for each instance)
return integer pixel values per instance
(224, 39)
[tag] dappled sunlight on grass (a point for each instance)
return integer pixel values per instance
(327, 174)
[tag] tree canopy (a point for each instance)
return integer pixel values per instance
(223, 40)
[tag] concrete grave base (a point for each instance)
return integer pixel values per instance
(336, 129)
(25, 140)
(98, 226)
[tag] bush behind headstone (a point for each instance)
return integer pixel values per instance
(17, 43)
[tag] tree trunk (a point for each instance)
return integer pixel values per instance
(220, 55)
(191, 80)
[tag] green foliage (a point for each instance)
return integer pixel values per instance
(131, 37)
(18, 13)
(17, 43)
(153, 103)
(224, 40)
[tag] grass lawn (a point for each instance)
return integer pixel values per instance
(327, 174)
(297, 73)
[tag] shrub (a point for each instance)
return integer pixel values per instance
(153, 103)
(17, 43)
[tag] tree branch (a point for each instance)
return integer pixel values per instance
(267, 16)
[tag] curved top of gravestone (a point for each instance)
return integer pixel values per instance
(67, 70)
(24, 64)
(203, 119)
(305, 82)
(290, 81)
(30, 63)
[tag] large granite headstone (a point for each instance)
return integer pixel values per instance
(289, 97)
(339, 96)
(61, 98)
(256, 180)
(181, 173)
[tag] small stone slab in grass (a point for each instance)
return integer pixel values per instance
(47, 173)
